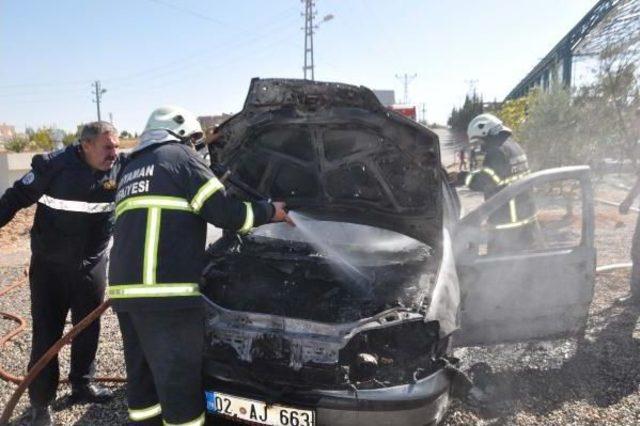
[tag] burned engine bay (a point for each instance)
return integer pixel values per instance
(275, 272)
(327, 321)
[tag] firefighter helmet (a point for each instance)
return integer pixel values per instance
(485, 125)
(169, 123)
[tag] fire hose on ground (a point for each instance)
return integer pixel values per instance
(24, 382)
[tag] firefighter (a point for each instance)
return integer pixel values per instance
(514, 225)
(75, 191)
(166, 195)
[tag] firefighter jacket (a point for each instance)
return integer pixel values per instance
(166, 195)
(504, 164)
(74, 216)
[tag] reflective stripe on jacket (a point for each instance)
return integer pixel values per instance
(165, 197)
(504, 165)
(74, 214)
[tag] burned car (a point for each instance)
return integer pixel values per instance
(351, 316)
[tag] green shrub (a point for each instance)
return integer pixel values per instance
(16, 144)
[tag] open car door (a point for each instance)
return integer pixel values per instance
(541, 287)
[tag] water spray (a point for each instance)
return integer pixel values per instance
(357, 282)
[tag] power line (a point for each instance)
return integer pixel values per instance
(187, 73)
(44, 84)
(473, 84)
(183, 78)
(98, 91)
(174, 70)
(196, 58)
(271, 25)
(189, 11)
(406, 80)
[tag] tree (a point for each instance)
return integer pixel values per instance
(549, 133)
(460, 118)
(42, 139)
(611, 102)
(514, 112)
(69, 139)
(597, 121)
(17, 144)
(125, 135)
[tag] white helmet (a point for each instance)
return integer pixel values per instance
(486, 125)
(169, 123)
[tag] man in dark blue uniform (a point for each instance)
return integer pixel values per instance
(75, 191)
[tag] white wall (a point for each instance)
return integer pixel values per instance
(13, 166)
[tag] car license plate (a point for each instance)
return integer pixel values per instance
(257, 411)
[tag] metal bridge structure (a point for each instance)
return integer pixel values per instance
(609, 21)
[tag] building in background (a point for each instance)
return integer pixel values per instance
(386, 97)
(7, 132)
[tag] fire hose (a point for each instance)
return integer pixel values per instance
(24, 382)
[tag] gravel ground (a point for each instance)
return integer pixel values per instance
(14, 243)
(592, 380)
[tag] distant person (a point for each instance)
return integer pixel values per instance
(514, 225)
(75, 191)
(463, 160)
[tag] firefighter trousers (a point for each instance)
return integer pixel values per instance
(163, 357)
(56, 289)
(513, 240)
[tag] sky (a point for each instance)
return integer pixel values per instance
(201, 55)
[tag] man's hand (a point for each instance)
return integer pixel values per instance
(211, 135)
(457, 178)
(280, 214)
(625, 206)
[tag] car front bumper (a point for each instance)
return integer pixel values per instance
(420, 403)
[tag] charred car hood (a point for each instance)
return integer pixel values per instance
(334, 152)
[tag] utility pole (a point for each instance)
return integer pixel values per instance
(407, 79)
(423, 108)
(309, 14)
(98, 91)
(111, 117)
(472, 86)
